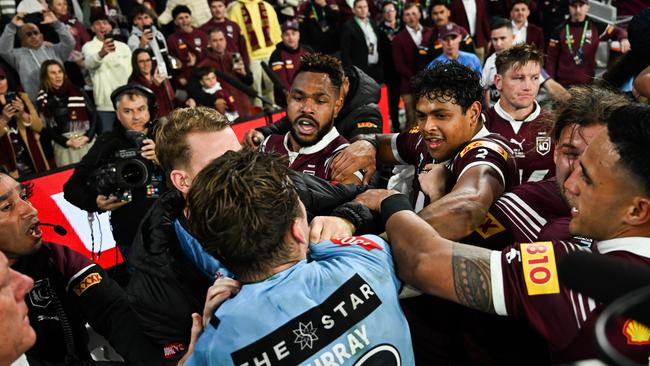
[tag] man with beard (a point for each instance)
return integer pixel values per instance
(314, 101)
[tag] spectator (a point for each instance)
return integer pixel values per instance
(389, 27)
(147, 73)
(360, 42)
(222, 60)
(502, 37)
(525, 32)
(408, 44)
(19, 334)
(450, 36)
(75, 26)
(319, 26)
(472, 15)
(440, 15)
(186, 44)
(501, 8)
(313, 102)
(144, 34)
(67, 111)
(235, 40)
(550, 15)
(28, 58)
(109, 64)
(261, 30)
(198, 7)
(571, 57)
(285, 60)
(22, 153)
(219, 99)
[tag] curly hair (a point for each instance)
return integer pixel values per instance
(241, 207)
(325, 64)
(448, 82)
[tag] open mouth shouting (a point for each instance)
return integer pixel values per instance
(306, 126)
(34, 230)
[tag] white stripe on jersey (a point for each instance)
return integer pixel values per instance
(528, 221)
(496, 278)
(575, 310)
(67, 287)
(393, 147)
(582, 307)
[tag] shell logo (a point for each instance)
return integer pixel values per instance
(636, 333)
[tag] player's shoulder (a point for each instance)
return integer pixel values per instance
(489, 144)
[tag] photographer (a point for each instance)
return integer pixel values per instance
(134, 105)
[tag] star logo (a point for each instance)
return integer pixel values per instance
(305, 335)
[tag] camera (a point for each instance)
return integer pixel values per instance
(126, 171)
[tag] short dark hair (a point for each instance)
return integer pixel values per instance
(515, 2)
(216, 30)
(178, 9)
(586, 106)
(499, 22)
(629, 132)
(444, 3)
(241, 207)
(410, 5)
(139, 10)
(211, 1)
(203, 71)
(520, 54)
(354, 3)
(172, 149)
(448, 82)
(323, 64)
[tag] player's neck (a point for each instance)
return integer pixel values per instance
(518, 114)
(519, 25)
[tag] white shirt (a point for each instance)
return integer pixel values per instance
(470, 10)
(520, 33)
(371, 40)
(415, 34)
(489, 70)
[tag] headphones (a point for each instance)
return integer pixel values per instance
(151, 97)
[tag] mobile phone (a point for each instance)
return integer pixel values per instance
(236, 58)
(109, 37)
(10, 97)
(147, 28)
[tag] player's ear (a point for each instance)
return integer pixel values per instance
(474, 112)
(639, 212)
(181, 180)
(497, 81)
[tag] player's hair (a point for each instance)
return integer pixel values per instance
(515, 2)
(629, 131)
(203, 71)
(586, 106)
(323, 64)
(445, 3)
(211, 1)
(216, 30)
(172, 149)
(410, 5)
(242, 206)
(179, 9)
(499, 22)
(139, 10)
(448, 82)
(517, 56)
(356, 1)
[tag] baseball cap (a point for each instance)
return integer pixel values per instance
(449, 29)
(571, 2)
(290, 24)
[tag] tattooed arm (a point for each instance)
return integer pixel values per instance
(438, 266)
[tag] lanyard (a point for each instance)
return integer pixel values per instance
(570, 37)
(313, 9)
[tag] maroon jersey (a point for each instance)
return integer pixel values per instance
(316, 159)
(181, 44)
(529, 140)
(525, 285)
(285, 62)
(235, 42)
(484, 149)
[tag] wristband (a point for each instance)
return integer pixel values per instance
(394, 204)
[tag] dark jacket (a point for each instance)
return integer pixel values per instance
(319, 27)
(354, 49)
(535, 36)
(405, 55)
(360, 113)
(482, 31)
(69, 290)
(284, 63)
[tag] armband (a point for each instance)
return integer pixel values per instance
(394, 204)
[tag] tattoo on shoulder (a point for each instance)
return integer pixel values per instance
(471, 267)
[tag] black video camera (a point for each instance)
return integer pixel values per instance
(126, 171)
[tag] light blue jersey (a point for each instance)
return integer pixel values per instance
(464, 58)
(339, 308)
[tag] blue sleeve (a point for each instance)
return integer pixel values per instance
(193, 250)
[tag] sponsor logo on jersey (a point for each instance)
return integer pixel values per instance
(543, 144)
(88, 282)
(489, 227)
(312, 333)
(366, 125)
(487, 145)
(364, 243)
(636, 333)
(172, 349)
(540, 271)
(414, 130)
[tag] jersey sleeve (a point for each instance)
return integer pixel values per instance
(484, 152)
(405, 146)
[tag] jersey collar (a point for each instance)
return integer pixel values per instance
(320, 145)
(638, 245)
(506, 116)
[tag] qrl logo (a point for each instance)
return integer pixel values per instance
(365, 243)
(543, 145)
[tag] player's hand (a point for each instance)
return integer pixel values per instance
(625, 45)
(359, 156)
(328, 227)
(158, 78)
(109, 203)
(8, 111)
(253, 139)
(18, 20)
(107, 47)
(192, 59)
(145, 38)
(221, 105)
(239, 69)
(49, 17)
(149, 150)
(197, 329)
(372, 198)
(433, 181)
(222, 289)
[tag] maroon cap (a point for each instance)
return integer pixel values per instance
(449, 29)
(290, 24)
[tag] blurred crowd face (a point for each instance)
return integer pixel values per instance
(217, 42)
(519, 86)
(412, 17)
(519, 13)
(20, 234)
(4, 85)
(59, 7)
(218, 10)
(451, 46)
(133, 112)
(389, 13)
(502, 39)
(440, 15)
(312, 105)
(361, 9)
(145, 63)
(101, 28)
(31, 36)
(209, 80)
(578, 11)
(291, 38)
(184, 22)
(17, 334)
(142, 20)
(56, 76)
